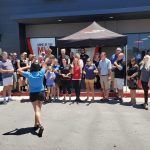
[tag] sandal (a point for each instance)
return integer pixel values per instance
(40, 133)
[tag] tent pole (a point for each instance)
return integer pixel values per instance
(57, 52)
(126, 51)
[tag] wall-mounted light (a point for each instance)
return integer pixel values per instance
(111, 17)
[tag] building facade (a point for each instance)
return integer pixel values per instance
(22, 19)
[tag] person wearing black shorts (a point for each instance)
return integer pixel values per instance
(36, 88)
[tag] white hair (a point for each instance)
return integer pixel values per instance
(145, 62)
(63, 50)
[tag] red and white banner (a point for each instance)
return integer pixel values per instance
(38, 45)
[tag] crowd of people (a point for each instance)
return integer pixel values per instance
(65, 73)
(46, 76)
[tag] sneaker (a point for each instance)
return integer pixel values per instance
(146, 106)
(116, 98)
(10, 99)
(120, 100)
(79, 100)
(5, 101)
(86, 99)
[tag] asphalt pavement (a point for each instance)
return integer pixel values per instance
(72, 126)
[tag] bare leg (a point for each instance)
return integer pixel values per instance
(69, 97)
(48, 93)
(4, 91)
(9, 90)
(37, 105)
(120, 93)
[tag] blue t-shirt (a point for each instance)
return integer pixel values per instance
(89, 71)
(35, 80)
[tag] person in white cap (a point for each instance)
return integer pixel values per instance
(113, 58)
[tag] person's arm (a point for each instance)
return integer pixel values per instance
(70, 72)
(18, 63)
(99, 69)
(118, 66)
(95, 70)
(46, 74)
(21, 70)
(109, 70)
(136, 73)
(109, 74)
(8, 70)
(53, 76)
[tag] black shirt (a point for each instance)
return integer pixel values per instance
(120, 73)
(84, 57)
(96, 63)
(15, 64)
(132, 70)
(65, 70)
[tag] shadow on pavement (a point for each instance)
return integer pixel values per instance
(1, 103)
(25, 100)
(139, 106)
(126, 104)
(22, 131)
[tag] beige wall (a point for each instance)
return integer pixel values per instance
(59, 30)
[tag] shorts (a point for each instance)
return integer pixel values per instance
(8, 81)
(105, 83)
(50, 86)
(37, 96)
(119, 83)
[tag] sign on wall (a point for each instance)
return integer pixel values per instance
(39, 45)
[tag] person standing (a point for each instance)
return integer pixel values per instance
(36, 88)
(104, 69)
(22, 80)
(84, 56)
(7, 70)
(56, 68)
(96, 60)
(119, 68)
(90, 70)
(145, 78)
(50, 83)
(114, 58)
(15, 77)
(76, 78)
(65, 72)
(132, 77)
(63, 56)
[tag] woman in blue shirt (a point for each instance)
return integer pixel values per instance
(89, 70)
(36, 88)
